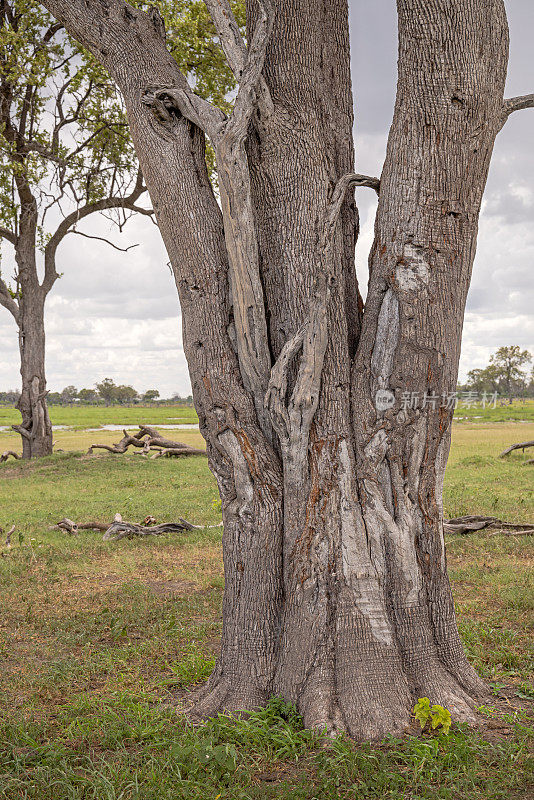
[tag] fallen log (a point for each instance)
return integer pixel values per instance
(472, 524)
(148, 438)
(518, 446)
(120, 529)
(71, 527)
(5, 455)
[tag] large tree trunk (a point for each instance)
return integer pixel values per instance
(36, 428)
(336, 592)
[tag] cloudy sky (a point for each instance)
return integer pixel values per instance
(117, 314)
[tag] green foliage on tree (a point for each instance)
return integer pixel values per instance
(504, 374)
(63, 130)
(66, 153)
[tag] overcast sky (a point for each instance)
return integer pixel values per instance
(117, 314)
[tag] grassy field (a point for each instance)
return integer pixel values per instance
(81, 416)
(100, 642)
(518, 411)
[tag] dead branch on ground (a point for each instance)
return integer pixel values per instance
(120, 529)
(8, 535)
(5, 455)
(472, 524)
(148, 438)
(518, 446)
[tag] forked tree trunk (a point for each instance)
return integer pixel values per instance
(336, 591)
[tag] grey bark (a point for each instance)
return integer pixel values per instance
(148, 438)
(519, 446)
(336, 591)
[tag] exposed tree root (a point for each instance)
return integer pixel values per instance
(518, 446)
(471, 524)
(5, 455)
(148, 438)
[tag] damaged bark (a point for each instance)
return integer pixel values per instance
(336, 595)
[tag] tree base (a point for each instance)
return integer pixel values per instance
(365, 716)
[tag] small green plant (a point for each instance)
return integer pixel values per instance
(220, 760)
(436, 715)
(525, 691)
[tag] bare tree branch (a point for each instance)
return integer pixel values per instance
(71, 219)
(8, 235)
(7, 301)
(250, 78)
(519, 446)
(235, 50)
(103, 239)
(292, 422)
(338, 197)
(166, 99)
(518, 104)
(275, 396)
(239, 225)
(229, 35)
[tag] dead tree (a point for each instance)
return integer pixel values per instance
(520, 446)
(7, 453)
(148, 439)
(336, 589)
(120, 529)
(473, 524)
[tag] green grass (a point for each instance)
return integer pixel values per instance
(517, 411)
(79, 418)
(99, 641)
(478, 481)
(82, 416)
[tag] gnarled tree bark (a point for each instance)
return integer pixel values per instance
(336, 591)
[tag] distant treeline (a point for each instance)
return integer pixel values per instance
(507, 373)
(105, 393)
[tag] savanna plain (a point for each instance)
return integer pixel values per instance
(102, 643)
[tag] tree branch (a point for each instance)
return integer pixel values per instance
(8, 235)
(71, 219)
(518, 104)
(8, 302)
(229, 35)
(239, 226)
(275, 396)
(246, 94)
(103, 239)
(164, 100)
(292, 422)
(235, 50)
(338, 197)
